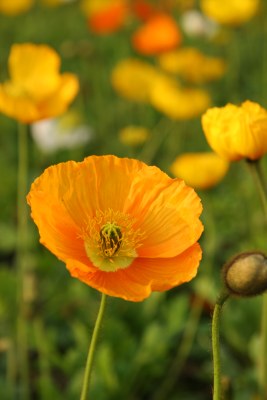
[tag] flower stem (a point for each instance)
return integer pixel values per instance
(217, 395)
(21, 258)
(260, 183)
(262, 190)
(91, 352)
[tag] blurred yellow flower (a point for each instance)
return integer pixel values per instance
(236, 132)
(200, 170)
(14, 7)
(230, 12)
(133, 79)
(36, 89)
(192, 65)
(133, 135)
(178, 103)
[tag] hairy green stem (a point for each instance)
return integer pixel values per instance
(91, 352)
(261, 186)
(217, 391)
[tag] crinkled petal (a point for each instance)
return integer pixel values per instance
(57, 230)
(104, 183)
(136, 282)
(169, 221)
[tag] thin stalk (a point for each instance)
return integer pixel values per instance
(21, 258)
(260, 184)
(217, 390)
(91, 352)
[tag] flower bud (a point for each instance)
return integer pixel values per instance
(246, 274)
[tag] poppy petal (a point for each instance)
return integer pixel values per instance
(143, 276)
(57, 230)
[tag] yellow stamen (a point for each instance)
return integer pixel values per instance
(111, 240)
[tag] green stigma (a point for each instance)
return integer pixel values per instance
(110, 239)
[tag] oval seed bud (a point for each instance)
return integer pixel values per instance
(246, 274)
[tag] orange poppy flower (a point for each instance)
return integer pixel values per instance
(143, 9)
(160, 33)
(122, 227)
(36, 90)
(236, 132)
(109, 19)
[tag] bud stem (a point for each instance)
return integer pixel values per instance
(217, 395)
(90, 356)
(260, 183)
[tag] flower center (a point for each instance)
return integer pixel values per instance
(111, 240)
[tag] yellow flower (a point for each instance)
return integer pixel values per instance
(236, 132)
(120, 226)
(133, 79)
(36, 89)
(230, 12)
(192, 65)
(178, 103)
(14, 7)
(133, 135)
(200, 170)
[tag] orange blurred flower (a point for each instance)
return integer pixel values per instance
(230, 12)
(14, 7)
(109, 20)
(36, 90)
(176, 102)
(143, 9)
(192, 65)
(105, 16)
(200, 170)
(236, 132)
(122, 227)
(134, 79)
(160, 33)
